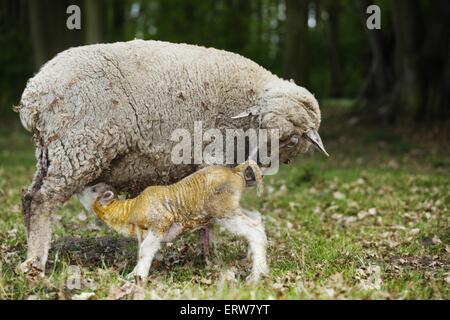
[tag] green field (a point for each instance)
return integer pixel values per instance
(370, 222)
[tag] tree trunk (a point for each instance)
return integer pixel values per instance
(238, 24)
(410, 80)
(118, 20)
(94, 18)
(376, 89)
(408, 90)
(436, 63)
(295, 62)
(49, 17)
(388, 90)
(37, 33)
(333, 9)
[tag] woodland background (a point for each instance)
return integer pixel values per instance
(370, 222)
(401, 72)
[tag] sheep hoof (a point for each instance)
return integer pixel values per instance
(32, 269)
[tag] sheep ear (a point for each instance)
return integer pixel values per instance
(313, 137)
(252, 111)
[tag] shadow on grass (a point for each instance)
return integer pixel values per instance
(119, 253)
(93, 252)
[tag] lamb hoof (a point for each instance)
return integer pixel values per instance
(32, 269)
(253, 279)
(131, 275)
(138, 293)
(139, 280)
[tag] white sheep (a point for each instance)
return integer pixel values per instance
(106, 112)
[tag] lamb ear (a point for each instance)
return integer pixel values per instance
(107, 196)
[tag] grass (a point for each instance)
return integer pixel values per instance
(371, 222)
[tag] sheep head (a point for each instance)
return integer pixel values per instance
(295, 112)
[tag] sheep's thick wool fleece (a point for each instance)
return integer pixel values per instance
(115, 106)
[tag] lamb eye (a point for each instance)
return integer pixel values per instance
(94, 189)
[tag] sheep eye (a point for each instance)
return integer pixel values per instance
(293, 141)
(94, 189)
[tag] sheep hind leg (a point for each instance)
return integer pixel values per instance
(206, 239)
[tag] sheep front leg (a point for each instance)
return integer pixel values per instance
(53, 184)
(147, 250)
(38, 240)
(38, 204)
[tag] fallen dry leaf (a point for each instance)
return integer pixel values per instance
(73, 281)
(329, 292)
(83, 296)
(278, 287)
(370, 279)
(82, 216)
(338, 195)
(117, 293)
(138, 293)
(436, 240)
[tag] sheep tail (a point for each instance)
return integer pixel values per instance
(256, 170)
